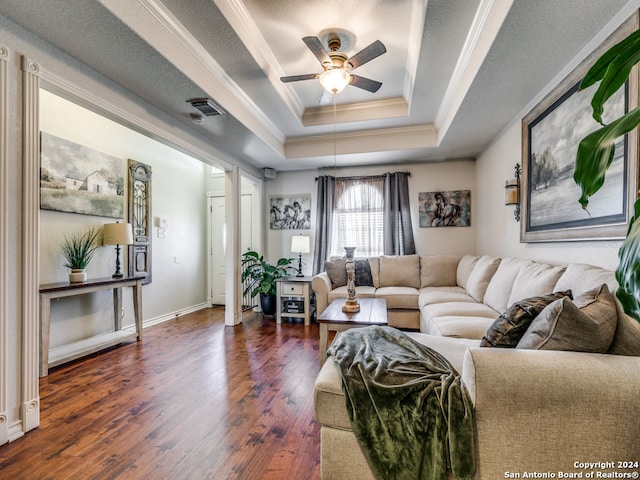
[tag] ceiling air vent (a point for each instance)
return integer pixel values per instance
(206, 106)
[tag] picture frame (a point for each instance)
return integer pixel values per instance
(292, 212)
(444, 209)
(78, 179)
(551, 133)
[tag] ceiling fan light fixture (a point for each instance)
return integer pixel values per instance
(334, 80)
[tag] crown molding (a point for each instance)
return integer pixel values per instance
(155, 24)
(380, 140)
(483, 32)
(246, 28)
(416, 32)
(356, 112)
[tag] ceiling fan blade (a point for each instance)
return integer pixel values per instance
(367, 54)
(315, 45)
(297, 78)
(365, 83)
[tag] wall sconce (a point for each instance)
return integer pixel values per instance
(512, 192)
(300, 244)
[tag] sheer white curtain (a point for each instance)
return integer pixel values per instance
(358, 216)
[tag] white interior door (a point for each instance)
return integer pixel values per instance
(217, 247)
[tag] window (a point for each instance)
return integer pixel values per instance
(358, 217)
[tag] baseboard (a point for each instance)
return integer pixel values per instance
(169, 316)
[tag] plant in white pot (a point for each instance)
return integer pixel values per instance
(78, 250)
(262, 278)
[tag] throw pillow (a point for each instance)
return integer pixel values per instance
(508, 328)
(588, 325)
(362, 273)
(337, 272)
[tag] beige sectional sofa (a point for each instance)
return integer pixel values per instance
(537, 411)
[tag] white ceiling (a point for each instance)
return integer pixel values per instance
(455, 71)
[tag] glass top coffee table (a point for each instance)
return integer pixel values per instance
(373, 311)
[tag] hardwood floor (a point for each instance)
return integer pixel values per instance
(195, 400)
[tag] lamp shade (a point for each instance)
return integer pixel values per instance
(334, 80)
(300, 244)
(117, 234)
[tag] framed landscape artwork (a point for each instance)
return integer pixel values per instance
(78, 179)
(290, 213)
(445, 209)
(551, 133)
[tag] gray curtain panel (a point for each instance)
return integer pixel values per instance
(398, 232)
(325, 201)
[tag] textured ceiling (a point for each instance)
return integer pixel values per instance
(454, 74)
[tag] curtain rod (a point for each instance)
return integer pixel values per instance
(361, 177)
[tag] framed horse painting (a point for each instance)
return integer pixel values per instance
(445, 209)
(551, 133)
(290, 213)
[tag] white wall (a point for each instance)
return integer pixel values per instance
(425, 177)
(178, 194)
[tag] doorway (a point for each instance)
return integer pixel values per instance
(217, 225)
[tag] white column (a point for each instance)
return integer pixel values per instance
(233, 287)
(30, 243)
(4, 241)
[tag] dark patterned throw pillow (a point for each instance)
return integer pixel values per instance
(362, 274)
(508, 328)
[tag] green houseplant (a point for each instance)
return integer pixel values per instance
(78, 250)
(596, 152)
(262, 276)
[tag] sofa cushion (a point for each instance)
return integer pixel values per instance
(481, 275)
(341, 292)
(399, 297)
(535, 279)
(580, 277)
(438, 270)
(456, 326)
(374, 265)
(337, 272)
(626, 340)
(508, 328)
(588, 325)
(465, 267)
(433, 295)
(400, 271)
(460, 309)
(499, 288)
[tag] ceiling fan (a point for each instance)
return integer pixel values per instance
(337, 66)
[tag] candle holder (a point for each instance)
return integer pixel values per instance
(351, 305)
(512, 192)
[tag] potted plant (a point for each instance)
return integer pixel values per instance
(596, 152)
(262, 278)
(78, 249)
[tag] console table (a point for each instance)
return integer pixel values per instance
(74, 350)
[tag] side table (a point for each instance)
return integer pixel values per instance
(294, 298)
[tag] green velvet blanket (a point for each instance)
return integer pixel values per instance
(408, 409)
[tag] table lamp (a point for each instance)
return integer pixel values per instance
(300, 245)
(117, 234)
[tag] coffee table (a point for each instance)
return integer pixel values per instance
(373, 311)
